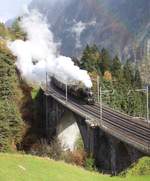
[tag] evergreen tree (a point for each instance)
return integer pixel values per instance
(128, 73)
(116, 67)
(137, 79)
(105, 61)
(11, 123)
(6, 68)
(90, 58)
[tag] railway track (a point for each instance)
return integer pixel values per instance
(119, 125)
(117, 119)
(114, 121)
(124, 116)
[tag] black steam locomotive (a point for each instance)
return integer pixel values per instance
(79, 91)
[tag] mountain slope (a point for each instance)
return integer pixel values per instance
(119, 25)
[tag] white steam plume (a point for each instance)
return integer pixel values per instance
(38, 55)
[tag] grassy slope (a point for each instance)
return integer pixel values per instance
(28, 168)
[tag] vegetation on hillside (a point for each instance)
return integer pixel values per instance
(123, 80)
(20, 105)
(14, 95)
(141, 167)
(11, 122)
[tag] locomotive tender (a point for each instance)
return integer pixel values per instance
(79, 91)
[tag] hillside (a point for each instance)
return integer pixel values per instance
(15, 96)
(11, 122)
(29, 168)
(119, 25)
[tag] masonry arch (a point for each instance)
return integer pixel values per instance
(123, 159)
(103, 155)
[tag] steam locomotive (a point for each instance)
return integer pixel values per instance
(79, 91)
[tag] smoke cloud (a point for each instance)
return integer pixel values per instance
(39, 55)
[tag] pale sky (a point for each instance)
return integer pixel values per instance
(11, 8)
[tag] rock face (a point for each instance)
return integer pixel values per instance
(122, 26)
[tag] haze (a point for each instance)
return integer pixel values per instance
(9, 9)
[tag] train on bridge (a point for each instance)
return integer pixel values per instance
(79, 91)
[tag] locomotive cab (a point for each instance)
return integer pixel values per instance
(89, 97)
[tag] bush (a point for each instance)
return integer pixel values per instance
(142, 167)
(90, 163)
(76, 157)
(45, 148)
(79, 145)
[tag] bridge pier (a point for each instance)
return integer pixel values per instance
(53, 113)
(113, 153)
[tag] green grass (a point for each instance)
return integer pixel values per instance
(15, 167)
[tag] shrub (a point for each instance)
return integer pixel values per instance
(45, 148)
(142, 167)
(76, 157)
(90, 163)
(79, 145)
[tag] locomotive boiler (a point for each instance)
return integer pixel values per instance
(78, 91)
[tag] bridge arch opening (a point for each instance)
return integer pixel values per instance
(103, 156)
(123, 159)
(68, 131)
